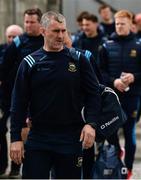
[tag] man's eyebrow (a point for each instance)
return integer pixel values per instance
(58, 30)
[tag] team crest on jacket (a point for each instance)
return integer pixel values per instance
(79, 161)
(72, 67)
(134, 114)
(133, 53)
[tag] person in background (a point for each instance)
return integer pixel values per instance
(11, 32)
(91, 38)
(134, 28)
(48, 82)
(121, 69)
(22, 45)
(138, 24)
(107, 25)
(79, 19)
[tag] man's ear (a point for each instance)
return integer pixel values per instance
(42, 30)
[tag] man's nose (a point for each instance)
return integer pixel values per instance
(61, 33)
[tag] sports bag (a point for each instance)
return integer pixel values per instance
(108, 165)
(112, 116)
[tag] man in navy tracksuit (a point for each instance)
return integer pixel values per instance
(11, 32)
(120, 60)
(54, 87)
(21, 46)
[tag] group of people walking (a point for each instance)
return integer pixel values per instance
(42, 84)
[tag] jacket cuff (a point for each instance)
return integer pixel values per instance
(16, 137)
(93, 125)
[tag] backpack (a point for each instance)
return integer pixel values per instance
(108, 165)
(112, 116)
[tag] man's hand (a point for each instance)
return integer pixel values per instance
(127, 78)
(87, 136)
(119, 85)
(17, 151)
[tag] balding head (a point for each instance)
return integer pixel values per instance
(12, 31)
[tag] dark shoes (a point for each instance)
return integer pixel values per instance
(14, 174)
(15, 171)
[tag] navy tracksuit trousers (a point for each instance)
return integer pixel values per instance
(38, 164)
(130, 105)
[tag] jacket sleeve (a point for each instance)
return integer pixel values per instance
(8, 62)
(90, 88)
(103, 64)
(20, 101)
(96, 69)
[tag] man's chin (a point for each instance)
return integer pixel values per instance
(58, 48)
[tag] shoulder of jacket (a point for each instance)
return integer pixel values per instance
(76, 53)
(35, 57)
(108, 43)
(30, 60)
(87, 54)
(19, 40)
(138, 41)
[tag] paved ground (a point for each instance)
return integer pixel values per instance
(137, 170)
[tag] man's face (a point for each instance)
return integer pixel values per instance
(54, 35)
(31, 25)
(123, 26)
(11, 32)
(89, 27)
(106, 14)
(11, 35)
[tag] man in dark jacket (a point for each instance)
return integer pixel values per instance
(11, 32)
(107, 25)
(21, 46)
(54, 86)
(120, 62)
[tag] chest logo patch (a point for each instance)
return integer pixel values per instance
(133, 53)
(79, 162)
(72, 67)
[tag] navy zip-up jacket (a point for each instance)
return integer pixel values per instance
(16, 51)
(20, 47)
(121, 54)
(54, 87)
